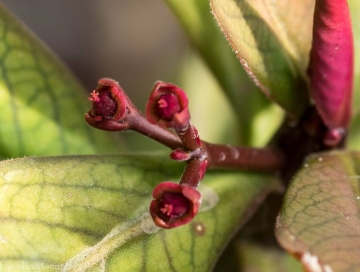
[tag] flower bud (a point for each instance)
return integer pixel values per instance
(168, 106)
(180, 154)
(174, 204)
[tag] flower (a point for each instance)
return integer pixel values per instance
(167, 106)
(174, 204)
(108, 101)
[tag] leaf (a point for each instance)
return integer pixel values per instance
(355, 13)
(42, 105)
(319, 221)
(354, 131)
(203, 32)
(81, 212)
(249, 256)
(272, 42)
(332, 60)
(224, 127)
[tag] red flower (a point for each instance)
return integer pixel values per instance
(174, 204)
(108, 101)
(168, 106)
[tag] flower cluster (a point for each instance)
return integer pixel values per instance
(176, 204)
(167, 120)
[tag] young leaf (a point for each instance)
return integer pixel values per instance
(262, 37)
(42, 105)
(332, 61)
(320, 217)
(74, 213)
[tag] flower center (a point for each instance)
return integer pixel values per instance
(167, 106)
(103, 104)
(173, 205)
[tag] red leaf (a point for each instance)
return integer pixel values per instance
(331, 67)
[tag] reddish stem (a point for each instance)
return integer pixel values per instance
(139, 123)
(244, 158)
(218, 156)
(193, 173)
(190, 138)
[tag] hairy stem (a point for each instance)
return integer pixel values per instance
(244, 158)
(113, 111)
(218, 156)
(138, 123)
(192, 173)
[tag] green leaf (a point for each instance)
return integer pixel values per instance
(203, 32)
(248, 256)
(42, 106)
(355, 13)
(320, 217)
(92, 212)
(224, 127)
(354, 133)
(272, 42)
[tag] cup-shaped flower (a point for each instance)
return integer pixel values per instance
(174, 204)
(108, 101)
(168, 106)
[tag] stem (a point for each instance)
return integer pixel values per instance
(138, 122)
(244, 158)
(192, 173)
(218, 156)
(190, 138)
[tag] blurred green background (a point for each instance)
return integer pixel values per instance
(130, 41)
(135, 43)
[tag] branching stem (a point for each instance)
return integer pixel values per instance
(218, 156)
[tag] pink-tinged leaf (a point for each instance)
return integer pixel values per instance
(319, 222)
(331, 66)
(265, 37)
